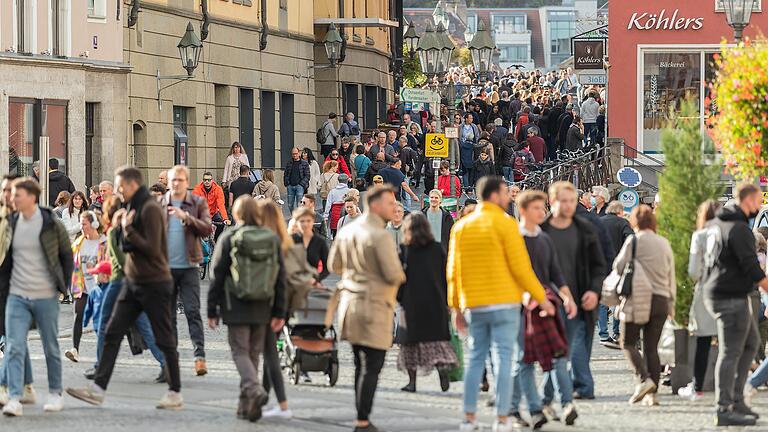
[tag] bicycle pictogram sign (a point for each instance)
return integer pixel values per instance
(436, 146)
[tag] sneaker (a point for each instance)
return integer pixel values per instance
(201, 368)
(550, 412)
(277, 412)
(171, 401)
(641, 390)
(538, 420)
(179, 308)
(469, 426)
(690, 393)
(3, 396)
(72, 354)
(90, 374)
(650, 400)
(29, 397)
(502, 427)
(517, 421)
(749, 393)
(570, 414)
(409, 388)
(741, 408)
(55, 403)
(14, 409)
(730, 418)
(305, 378)
(91, 394)
(611, 343)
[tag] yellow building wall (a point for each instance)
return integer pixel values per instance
(360, 9)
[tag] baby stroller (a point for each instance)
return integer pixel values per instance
(307, 346)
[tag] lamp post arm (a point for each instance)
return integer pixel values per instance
(160, 88)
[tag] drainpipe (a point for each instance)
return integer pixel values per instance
(343, 53)
(133, 17)
(206, 20)
(117, 3)
(264, 26)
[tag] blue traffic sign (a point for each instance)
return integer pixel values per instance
(629, 177)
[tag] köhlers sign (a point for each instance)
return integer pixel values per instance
(588, 54)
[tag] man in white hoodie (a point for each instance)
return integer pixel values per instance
(589, 112)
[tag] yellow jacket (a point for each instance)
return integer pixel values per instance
(488, 262)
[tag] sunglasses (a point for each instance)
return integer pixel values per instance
(207, 179)
(334, 154)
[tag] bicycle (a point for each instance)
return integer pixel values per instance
(209, 243)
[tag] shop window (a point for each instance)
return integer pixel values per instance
(669, 79)
(28, 120)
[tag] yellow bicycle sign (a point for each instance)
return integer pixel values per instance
(436, 146)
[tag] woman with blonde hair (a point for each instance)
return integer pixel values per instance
(266, 188)
(236, 158)
(329, 179)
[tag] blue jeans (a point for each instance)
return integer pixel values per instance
(602, 323)
(579, 353)
(760, 375)
(496, 331)
(523, 380)
(294, 196)
(108, 301)
(560, 378)
(507, 172)
(27, 370)
(19, 313)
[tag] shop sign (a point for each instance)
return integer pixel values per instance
(593, 79)
(588, 54)
(629, 198)
(664, 21)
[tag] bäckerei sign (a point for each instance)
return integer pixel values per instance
(664, 21)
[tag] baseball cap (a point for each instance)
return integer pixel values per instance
(378, 178)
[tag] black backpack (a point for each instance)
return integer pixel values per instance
(320, 135)
(354, 130)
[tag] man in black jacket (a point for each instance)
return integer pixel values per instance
(733, 273)
(57, 181)
(584, 267)
(618, 230)
(296, 178)
(554, 127)
(563, 124)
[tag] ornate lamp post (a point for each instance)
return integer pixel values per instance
(411, 39)
(190, 47)
(332, 44)
(482, 48)
(738, 14)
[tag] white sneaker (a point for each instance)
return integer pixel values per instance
(749, 393)
(171, 401)
(650, 400)
(73, 355)
(468, 426)
(276, 412)
(13, 408)
(55, 403)
(641, 390)
(3, 395)
(688, 392)
(29, 397)
(502, 427)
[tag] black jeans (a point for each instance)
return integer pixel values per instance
(77, 327)
(156, 299)
(272, 376)
(648, 364)
(186, 287)
(738, 338)
(219, 225)
(701, 360)
(368, 364)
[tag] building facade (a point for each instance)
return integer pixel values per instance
(661, 55)
(63, 77)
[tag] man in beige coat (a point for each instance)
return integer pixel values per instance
(365, 255)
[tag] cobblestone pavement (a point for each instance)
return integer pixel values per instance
(211, 400)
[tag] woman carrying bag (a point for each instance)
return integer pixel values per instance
(647, 291)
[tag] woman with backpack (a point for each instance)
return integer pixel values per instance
(250, 301)
(361, 163)
(328, 180)
(426, 344)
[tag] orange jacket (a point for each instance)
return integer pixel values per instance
(215, 198)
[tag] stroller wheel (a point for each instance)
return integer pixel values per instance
(333, 373)
(296, 372)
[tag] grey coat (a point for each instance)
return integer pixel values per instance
(700, 321)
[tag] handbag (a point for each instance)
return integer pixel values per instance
(619, 285)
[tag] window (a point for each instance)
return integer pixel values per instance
(471, 24)
(514, 53)
(560, 37)
(509, 24)
(25, 36)
(242, 2)
(287, 127)
(91, 7)
(180, 135)
(669, 78)
(59, 37)
(370, 106)
(97, 9)
(284, 5)
(267, 128)
(30, 119)
(90, 117)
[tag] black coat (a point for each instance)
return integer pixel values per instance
(58, 182)
(423, 296)
(618, 230)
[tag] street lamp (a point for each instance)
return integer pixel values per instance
(446, 49)
(737, 14)
(429, 48)
(333, 42)
(481, 48)
(189, 49)
(411, 39)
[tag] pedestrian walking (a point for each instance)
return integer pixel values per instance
(267, 189)
(188, 223)
(366, 257)
(732, 274)
(316, 245)
(488, 270)
(88, 250)
(57, 181)
(351, 211)
(619, 230)
(314, 171)
(440, 220)
(242, 185)
(62, 202)
(149, 289)
(654, 290)
(701, 323)
(247, 293)
(236, 159)
(427, 345)
(584, 268)
(70, 216)
(37, 267)
(543, 338)
(320, 228)
(395, 226)
(326, 136)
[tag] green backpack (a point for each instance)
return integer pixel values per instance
(255, 263)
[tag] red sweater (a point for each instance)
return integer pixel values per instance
(444, 185)
(342, 165)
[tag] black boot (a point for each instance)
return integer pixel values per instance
(445, 383)
(161, 379)
(732, 418)
(742, 408)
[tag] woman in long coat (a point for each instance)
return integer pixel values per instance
(426, 345)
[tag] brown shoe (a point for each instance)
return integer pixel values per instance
(200, 367)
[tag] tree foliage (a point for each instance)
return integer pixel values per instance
(740, 123)
(412, 75)
(691, 176)
(462, 56)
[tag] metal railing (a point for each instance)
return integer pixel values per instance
(584, 169)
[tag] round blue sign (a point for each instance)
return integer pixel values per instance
(629, 199)
(629, 177)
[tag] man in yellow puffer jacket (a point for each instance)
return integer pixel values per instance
(488, 271)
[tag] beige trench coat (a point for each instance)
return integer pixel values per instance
(365, 255)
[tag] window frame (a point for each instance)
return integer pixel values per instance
(517, 29)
